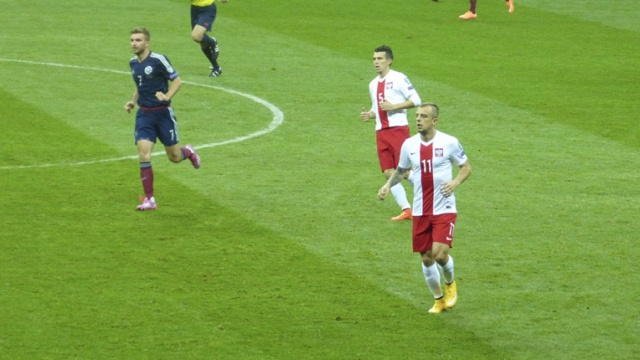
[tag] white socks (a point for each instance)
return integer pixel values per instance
(432, 276)
(447, 271)
(400, 195)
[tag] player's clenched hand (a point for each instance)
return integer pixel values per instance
(129, 106)
(365, 115)
(447, 188)
(386, 106)
(161, 96)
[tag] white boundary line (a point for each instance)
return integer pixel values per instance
(278, 117)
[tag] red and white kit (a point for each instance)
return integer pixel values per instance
(432, 165)
(395, 88)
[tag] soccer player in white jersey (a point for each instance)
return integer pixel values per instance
(431, 155)
(391, 95)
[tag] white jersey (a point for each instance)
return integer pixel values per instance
(432, 165)
(395, 87)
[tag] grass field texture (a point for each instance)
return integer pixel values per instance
(277, 247)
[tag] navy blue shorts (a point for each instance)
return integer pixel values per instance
(157, 124)
(203, 16)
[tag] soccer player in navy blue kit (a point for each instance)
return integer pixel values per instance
(155, 118)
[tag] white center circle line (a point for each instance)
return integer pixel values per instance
(278, 117)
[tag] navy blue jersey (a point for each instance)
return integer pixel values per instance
(152, 75)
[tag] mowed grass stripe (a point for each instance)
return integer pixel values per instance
(618, 14)
(26, 122)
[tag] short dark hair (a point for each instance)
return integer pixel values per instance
(385, 49)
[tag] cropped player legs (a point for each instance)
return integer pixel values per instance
(199, 35)
(471, 14)
(207, 44)
(472, 6)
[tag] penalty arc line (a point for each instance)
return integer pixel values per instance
(278, 117)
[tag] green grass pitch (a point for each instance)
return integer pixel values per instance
(277, 247)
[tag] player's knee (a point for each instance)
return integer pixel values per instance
(427, 260)
(197, 36)
(175, 158)
(144, 156)
(442, 258)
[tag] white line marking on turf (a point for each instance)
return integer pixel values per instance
(278, 117)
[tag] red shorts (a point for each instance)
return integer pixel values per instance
(389, 143)
(432, 228)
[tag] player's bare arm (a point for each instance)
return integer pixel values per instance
(387, 106)
(449, 187)
(173, 89)
(397, 176)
